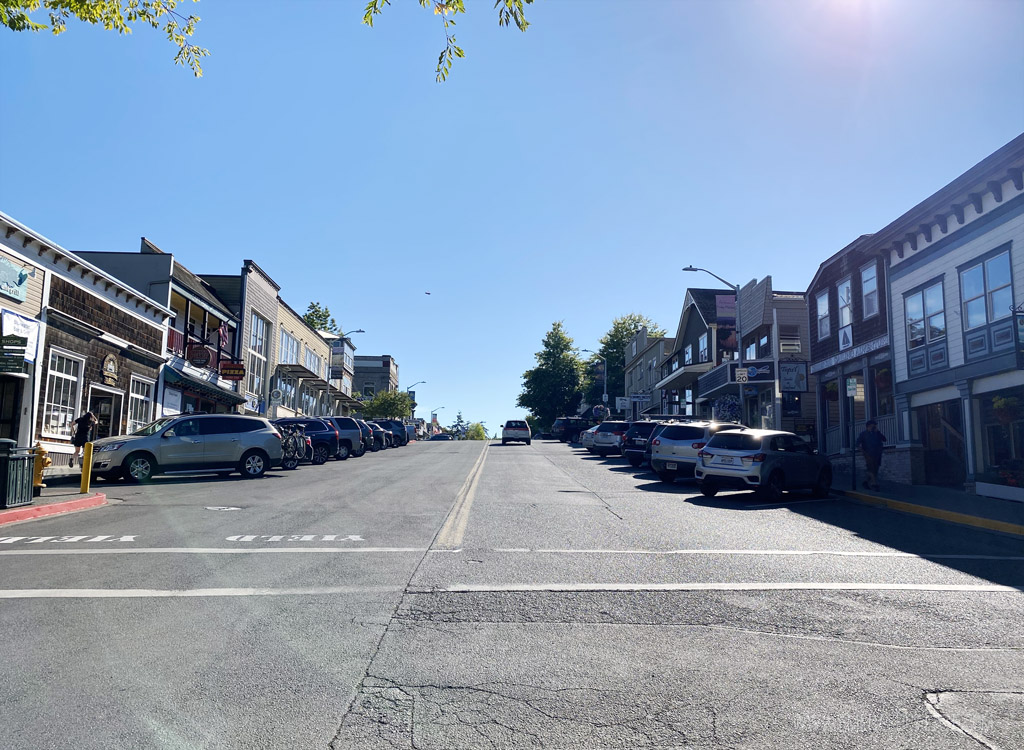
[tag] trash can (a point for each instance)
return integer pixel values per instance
(16, 465)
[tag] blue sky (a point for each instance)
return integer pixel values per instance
(563, 174)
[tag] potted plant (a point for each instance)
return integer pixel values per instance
(1006, 409)
(832, 390)
(883, 379)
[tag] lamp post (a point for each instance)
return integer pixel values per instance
(604, 379)
(433, 415)
(418, 382)
(739, 334)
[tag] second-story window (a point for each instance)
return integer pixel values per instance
(259, 346)
(289, 348)
(844, 295)
(789, 339)
(687, 355)
(987, 291)
(823, 327)
(751, 351)
(869, 290)
(926, 318)
(764, 345)
(702, 347)
(314, 362)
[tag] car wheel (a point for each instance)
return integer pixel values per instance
(253, 464)
(527, 442)
(602, 454)
(772, 489)
(361, 452)
(504, 442)
(320, 454)
(707, 489)
(635, 461)
(139, 467)
(343, 452)
(290, 463)
(824, 484)
(375, 447)
(668, 477)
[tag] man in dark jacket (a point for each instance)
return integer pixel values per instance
(871, 442)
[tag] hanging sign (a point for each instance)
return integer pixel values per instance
(198, 355)
(232, 370)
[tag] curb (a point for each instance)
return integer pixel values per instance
(964, 519)
(30, 513)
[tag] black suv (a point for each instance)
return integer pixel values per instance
(322, 434)
(367, 432)
(350, 437)
(634, 443)
(400, 436)
(568, 429)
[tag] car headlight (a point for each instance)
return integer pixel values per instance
(110, 447)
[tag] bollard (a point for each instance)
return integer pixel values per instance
(42, 461)
(86, 468)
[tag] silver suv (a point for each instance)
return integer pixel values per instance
(674, 450)
(190, 444)
(350, 437)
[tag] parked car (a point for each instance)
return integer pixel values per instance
(515, 430)
(767, 461)
(322, 434)
(608, 437)
(350, 437)
(441, 436)
(196, 443)
(410, 433)
(634, 442)
(367, 433)
(674, 450)
(587, 438)
(657, 431)
(568, 429)
(399, 435)
(381, 437)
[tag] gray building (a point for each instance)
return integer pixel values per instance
(644, 356)
(375, 374)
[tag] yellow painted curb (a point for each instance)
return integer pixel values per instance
(943, 515)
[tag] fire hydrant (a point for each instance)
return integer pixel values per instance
(42, 461)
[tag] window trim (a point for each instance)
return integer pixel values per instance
(981, 260)
(263, 356)
(940, 281)
(77, 405)
(827, 317)
(878, 296)
(704, 347)
(131, 397)
(282, 350)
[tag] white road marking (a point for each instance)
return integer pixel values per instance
(723, 586)
(749, 552)
(146, 593)
(294, 538)
(87, 538)
(454, 527)
(215, 551)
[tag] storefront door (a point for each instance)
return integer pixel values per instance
(10, 407)
(942, 433)
(106, 405)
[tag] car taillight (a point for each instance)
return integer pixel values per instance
(337, 435)
(697, 446)
(705, 454)
(277, 434)
(758, 458)
(655, 442)
(618, 434)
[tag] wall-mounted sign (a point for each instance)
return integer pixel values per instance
(621, 403)
(793, 377)
(110, 369)
(26, 328)
(9, 363)
(232, 370)
(276, 397)
(253, 403)
(14, 280)
(756, 372)
(198, 355)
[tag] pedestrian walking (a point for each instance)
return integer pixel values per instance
(84, 427)
(871, 442)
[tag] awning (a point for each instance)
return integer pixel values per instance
(202, 387)
(299, 372)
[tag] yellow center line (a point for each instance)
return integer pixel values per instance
(454, 528)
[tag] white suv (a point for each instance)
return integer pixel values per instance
(515, 430)
(674, 450)
(608, 437)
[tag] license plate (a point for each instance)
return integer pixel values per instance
(671, 466)
(725, 459)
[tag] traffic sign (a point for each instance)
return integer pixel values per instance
(851, 387)
(741, 375)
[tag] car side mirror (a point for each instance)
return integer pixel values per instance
(168, 434)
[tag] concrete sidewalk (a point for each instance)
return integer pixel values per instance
(955, 506)
(54, 500)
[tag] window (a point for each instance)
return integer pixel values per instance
(258, 349)
(63, 393)
(751, 351)
(702, 344)
(926, 318)
(869, 290)
(314, 362)
(844, 295)
(789, 339)
(289, 354)
(140, 404)
(987, 291)
(764, 345)
(823, 329)
(687, 355)
(633, 349)
(369, 389)
(288, 387)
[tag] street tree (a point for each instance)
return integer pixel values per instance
(553, 388)
(113, 15)
(509, 12)
(387, 405)
(613, 349)
(319, 316)
(459, 426)
(476, 431)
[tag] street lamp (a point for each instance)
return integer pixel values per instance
(358, 330)
(433, 414)
(605, 378)
(418, 382)
(739, 334)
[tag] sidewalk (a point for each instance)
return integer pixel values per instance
(54, 500)
(955, 506)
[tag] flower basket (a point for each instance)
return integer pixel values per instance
(832, 391)
(1006, 409)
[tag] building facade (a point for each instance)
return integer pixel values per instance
(302, 370)
(375, 374)
(644, 357)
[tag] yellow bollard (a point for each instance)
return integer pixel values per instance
(86, 468)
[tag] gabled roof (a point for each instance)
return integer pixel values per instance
(858, 244)
(703, 302)
(192, 283)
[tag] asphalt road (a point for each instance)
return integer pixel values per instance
(469, 595)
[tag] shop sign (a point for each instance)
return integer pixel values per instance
(110, 370)
(198, 355)
(756, 372)
(793, 377)
(14, 280)
(25, 328)
(12, 363)
(232, 370)
(641, 398)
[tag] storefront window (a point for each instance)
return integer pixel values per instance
(140, 404)
(258, 346)
(1002, 428)
(289, 349)
(288, 387)
(63, 392)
